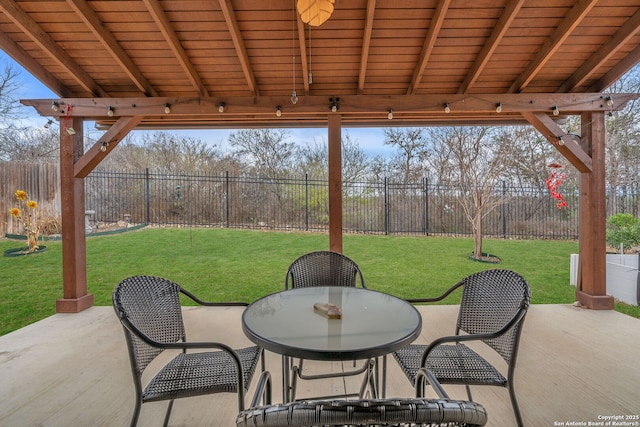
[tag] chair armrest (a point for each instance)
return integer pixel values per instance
(263, 390)
(474, 337)
(438, 298)
(424, 376)
(213, 304)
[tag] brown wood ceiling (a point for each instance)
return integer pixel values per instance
(412, 56)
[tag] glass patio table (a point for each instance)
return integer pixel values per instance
(372, 324)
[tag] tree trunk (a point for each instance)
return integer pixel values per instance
(477, 236)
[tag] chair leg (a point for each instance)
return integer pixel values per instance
(168, 414)
(514, 404)
(136, 413)
(469, 392)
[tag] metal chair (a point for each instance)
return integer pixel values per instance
(326, 268)
(417, 411)
(323, 268)
(149, 309)
(492, 310)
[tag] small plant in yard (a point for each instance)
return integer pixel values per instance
(623, 229)
(26, 213)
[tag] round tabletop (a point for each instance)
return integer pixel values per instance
(372, 324)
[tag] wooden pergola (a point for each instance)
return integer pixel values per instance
(159, 64)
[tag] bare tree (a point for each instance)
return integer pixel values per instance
(268, 150)
(411, 148)
(475, 166)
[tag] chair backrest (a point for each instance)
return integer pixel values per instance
(490, 300)
(150, 306)
(388, 412)
(323, 268)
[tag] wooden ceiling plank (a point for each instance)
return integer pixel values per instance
(430, 41)
(110, 43)
(303, 54)
(553, 43)
(29, 27)
(238, 43)
(606, 51)
(32, 66)
(161, 19)
(366, 43)
(499, 31)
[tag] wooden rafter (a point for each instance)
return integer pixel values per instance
(429, 42)
(366, 42)
(112, 46)
(507, 17)
(617, 71)
(29, 27)
(161, 19)
(238, 43)
(551, 46)
(303, 54)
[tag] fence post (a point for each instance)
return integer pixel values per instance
(306, 201)
(504, 210)
(425, 183)
(226, 196)
(147, 197)
(386, 206)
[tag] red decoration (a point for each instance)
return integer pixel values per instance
(554, 182)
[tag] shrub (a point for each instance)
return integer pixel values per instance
(623, 229)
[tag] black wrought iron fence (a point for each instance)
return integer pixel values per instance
(301, 203)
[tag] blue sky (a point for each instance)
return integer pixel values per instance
(370, 139)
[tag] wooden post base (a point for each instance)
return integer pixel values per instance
(595, 302)
(74, 305)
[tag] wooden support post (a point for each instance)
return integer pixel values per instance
(335, 183)
(74, 254)
(592, 278)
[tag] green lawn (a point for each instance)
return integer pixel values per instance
(243, 265)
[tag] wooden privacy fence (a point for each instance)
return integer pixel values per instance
(298, 203)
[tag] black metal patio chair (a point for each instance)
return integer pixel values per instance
(151, 315)
(413, 412)
(492, 310)
(325, 268)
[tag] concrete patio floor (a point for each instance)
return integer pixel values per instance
(575, 367)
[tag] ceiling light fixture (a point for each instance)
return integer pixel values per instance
(447, 109)
(54, 106)
(555, 110)
(167, 108)
(110, 111)
(221, 107)
(48, 124)
(609, 102)
(278, 111)
(390, 115)
(105, 144)
(499, 107)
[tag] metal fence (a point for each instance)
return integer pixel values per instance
(290, 203)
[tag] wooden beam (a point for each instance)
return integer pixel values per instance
(366, 43)
(303, 54)
(41, 38)
(74, 255)
(564, 143)
(461, 105)
(335, 183)
(592, 287)
(429, 43)
(551, 46)
(238, 43)
(504, 23)
(627, 63)
(172, 39)
(112, 46)
(105, 144)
